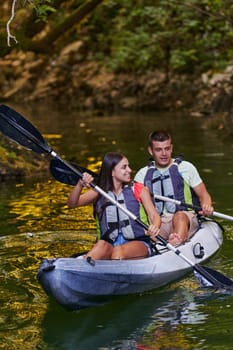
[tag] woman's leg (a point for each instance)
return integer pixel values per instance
(130, 250)
(101, 250)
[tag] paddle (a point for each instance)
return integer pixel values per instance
(15, 126)
(67, 175)
(194, 207)
(63, 174)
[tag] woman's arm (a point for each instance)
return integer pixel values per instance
(76, 199)
(153, 216)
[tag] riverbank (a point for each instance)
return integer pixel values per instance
(75, 84)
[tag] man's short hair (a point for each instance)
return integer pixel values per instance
(159, 135)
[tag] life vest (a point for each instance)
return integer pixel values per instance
(170, 184)
(112, 220)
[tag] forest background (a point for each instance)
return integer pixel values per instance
(112, 55)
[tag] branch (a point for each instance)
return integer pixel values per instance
(45, 44)
(9, 35)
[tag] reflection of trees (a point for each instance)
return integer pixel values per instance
(169, 327)
(23, 302)
(44, 208)
(166, 338)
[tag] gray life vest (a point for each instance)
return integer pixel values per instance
(113, 220)
(170, 184)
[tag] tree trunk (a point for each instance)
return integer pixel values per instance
(45, 44)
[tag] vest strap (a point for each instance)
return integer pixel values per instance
(160, 178)
(115, 226)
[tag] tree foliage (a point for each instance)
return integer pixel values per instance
(185, 36)
(173, 35)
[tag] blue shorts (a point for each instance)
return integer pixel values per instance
(121, 240)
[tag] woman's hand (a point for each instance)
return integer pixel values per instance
(153, 231)
(86, 180)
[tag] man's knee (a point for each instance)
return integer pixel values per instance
(180, 216)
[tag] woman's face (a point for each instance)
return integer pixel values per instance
(122, 171)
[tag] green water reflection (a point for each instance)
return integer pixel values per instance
(36, 223)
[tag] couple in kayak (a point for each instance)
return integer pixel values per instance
(123, 238)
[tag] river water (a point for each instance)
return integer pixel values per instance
(36, 223)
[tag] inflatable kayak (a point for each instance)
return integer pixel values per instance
(76, 283)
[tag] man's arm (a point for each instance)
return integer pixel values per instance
(205, 199)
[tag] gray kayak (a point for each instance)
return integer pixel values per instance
(76, 283)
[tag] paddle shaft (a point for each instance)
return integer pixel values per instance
(195, 207)
(65, 176)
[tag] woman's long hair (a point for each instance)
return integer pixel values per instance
(110, 160)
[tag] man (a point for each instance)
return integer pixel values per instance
(177, 179)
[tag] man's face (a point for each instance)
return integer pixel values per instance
(161, 152)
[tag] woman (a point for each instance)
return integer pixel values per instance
(120, 237)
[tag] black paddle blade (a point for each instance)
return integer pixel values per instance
(63, 173)
(20, 130)
(210, 278)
